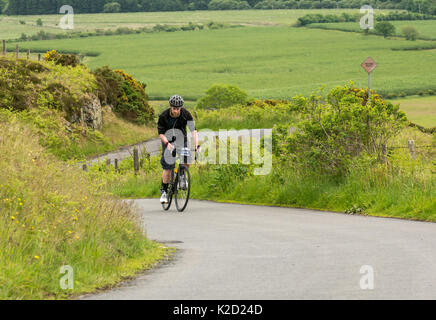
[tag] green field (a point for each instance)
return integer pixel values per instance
(273, 62)
(420, 110)
(10, 27)
(426, 28)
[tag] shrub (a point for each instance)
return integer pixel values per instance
(126, 95)
(214, 25)
(112, 7)
(26, 84)
(39, 22)
(109, 86)
(22, 22)
(341, 126)
(221, 96)
(385, 28)
(410, 32)
(124, 30)
(62, 59)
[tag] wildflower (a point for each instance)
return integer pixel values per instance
(77, 237)
(21, 203)
(12, 218)
(70, 232)
(36, 257)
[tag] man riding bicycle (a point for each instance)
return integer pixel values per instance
(172, 132)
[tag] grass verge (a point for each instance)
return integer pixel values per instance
(54, 215)
(402, 188)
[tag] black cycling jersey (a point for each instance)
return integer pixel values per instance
(166, 122)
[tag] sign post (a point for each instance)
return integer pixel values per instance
(369, 65)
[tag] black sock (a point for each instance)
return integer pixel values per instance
(164, 187)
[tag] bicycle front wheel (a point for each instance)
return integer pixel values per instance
(183, 188)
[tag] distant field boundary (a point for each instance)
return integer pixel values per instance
(371, 33)
(42, 35)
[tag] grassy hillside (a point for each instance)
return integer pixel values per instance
(54, 214)
(274, 62)
(83, 143)
(49, 97)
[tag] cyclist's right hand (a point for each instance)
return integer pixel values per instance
(170, 147)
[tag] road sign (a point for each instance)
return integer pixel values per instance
(369, 65)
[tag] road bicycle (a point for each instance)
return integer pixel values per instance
(180, 181)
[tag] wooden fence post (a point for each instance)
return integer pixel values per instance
(85, 167)
(17, 53)
(384, 153)
(116, 165)
(412, 149)
(4, 47)
(28, 54)
(136, 160)
(148, 156)
(39, 57)
(108, 162)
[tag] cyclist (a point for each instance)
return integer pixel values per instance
(172, 124)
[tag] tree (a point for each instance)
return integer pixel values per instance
(385, 28)
(410, 32)
(222, 96)
(228, 5)
(112, 7)
(3, 4)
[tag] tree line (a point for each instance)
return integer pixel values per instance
(35, 7)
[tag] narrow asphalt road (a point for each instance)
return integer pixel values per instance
(228, 251)
(153, 146)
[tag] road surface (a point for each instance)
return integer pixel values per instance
(228, 251)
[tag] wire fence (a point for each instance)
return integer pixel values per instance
(412, 148)
(18, 54)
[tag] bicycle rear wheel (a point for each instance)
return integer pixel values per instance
(171, 187)
(182, 192)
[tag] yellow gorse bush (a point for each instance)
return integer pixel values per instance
(49, 55)
(132, 81)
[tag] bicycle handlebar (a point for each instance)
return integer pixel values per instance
(174, 153)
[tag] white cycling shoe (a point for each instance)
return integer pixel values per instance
(164, 198)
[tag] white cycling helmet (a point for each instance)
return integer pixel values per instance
(177, 101)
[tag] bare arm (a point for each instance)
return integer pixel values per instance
(166, 142)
